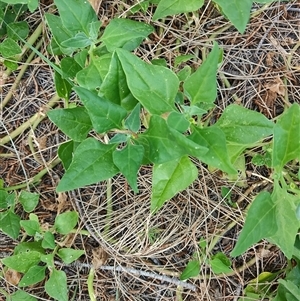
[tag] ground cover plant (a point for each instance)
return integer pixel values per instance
(122, 113)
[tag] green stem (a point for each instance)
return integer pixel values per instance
(90, 283)
(109, 208)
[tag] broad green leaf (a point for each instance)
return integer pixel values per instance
(214, 139)
(3, 199)
(119, 138)
(286, 145)
(155, 87)
(94, 29)
(56, 286)
(34, 275)
(29, 200)
(286, 219)
(125, 33)
(81, 57)
(32, 4)
(10, 224)
(48, 259)
(92, 163)
(65, 153)
(31, 227)
(238, 12)
(9, 48)
(62, 86)
(201, 86)
(60, 33)
(162, 144)
(291, 288)
(170, 178)
(184, 73)
(220, 263)
(22, 262)
(129, 160)
(260, 223)
(18, 30)
(183, 58)
(114, 87)
(65, 222)
(178, 122)
(104, 114)
(191, 270)
(90, 77)
(76, 15)
(244, 127)
(133, 121)
(20, 295)
(25, 247)
(69, 67)
(80, 40)
(48, 241)
(75, 122)
(173, 7)
(69, 255)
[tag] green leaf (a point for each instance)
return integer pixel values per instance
(76, 15)
(104, 114)
(155, 87)
(114, 87)
(29, 200)
(244, 127)
(260, 223)
(69, 255)
(238, 12)
(10, 224)
(129, 160)
(162, 144)
(9, 48)
(25, 247)
(184, 73)
(173, 7)
(20, 295)
(178, 122)
(56, 286)
(80, 40)
(95, 167)
(286, 219)
(18, 30)
(133, 121)
(291, 288)
(69, 67)
(81, 57)
(48, 241)
(286, 145)
(168, 180)
(31, 227)
(22, 262)
(34, 275)
(62, 86)
(65, 222)
(220, 263)
(125, 33)
(214, 139)
(75, 122)
(201, 86)
(3, 199)
(65, 153)
(191, 270)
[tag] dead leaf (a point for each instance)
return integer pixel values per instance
(277, 86)
(62, 202)
(13, 277)
(96, 5)
(99, 257)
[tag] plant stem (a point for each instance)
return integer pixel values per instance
(90, 284)
(109, 208)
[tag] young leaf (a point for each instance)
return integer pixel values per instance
(10, 224)
(63, 87)
(9, 48)
(48, 241)
(125, 33)
(191, 270)
(260, 223)
(31, 227)
(201, 86)
(20, 295)
(56, 286)
(75, 122)
(34, 275)
(69, 67)
(178, 122)
(244, 127)
(3, 199)
(286, 145)
(238, 12)
(167, 180)
(22, 262)
(133, 121)
(95, 167)
(155, 87)
(65, 222)
(18, 30)
(80, 40)
(25, 247)
(220, 263)
(65, 153)
(29, 200)
(173, 7)
(69, 255)
(129, 160)
(114, 87)
(104, 114)
(76, 15)
(214, 139)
